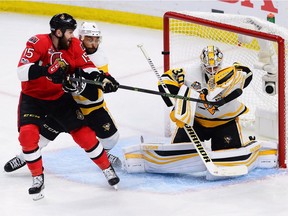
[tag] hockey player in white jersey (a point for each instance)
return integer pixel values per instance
(218, 123)
(95, 111)
(217, 126)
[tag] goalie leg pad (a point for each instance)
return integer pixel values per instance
(163, 158)
(183, 158)
(133, 159)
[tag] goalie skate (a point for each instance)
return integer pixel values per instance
(36, 191)
(14, 164)
(111, 177)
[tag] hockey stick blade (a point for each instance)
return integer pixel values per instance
(211, 167)
(148, 91)
(231, 170)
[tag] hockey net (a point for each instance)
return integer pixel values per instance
(258, 44)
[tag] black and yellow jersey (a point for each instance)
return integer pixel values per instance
(216, 87)
(87, 106)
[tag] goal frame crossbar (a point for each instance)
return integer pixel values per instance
(253, 33)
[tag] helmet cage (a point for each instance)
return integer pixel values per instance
(211, 59)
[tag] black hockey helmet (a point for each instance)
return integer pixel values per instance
(62, 21)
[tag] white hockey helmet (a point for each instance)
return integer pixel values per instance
(211, 58)
(89, 29)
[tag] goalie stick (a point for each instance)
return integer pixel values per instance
(211, 167)
(148, 91)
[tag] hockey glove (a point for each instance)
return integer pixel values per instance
(109, 84)
(56, 73)
(69, 86)
(74, 86)
(98, 76)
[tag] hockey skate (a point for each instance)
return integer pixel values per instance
(111, 176)
(114, 160)
(37, 187)
(14, 164)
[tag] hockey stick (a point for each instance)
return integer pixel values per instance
(148, 91)
(154, 69)
(211, 167)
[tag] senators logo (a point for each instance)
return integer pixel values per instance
(57, 56)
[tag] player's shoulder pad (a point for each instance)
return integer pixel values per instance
(246, 70)
(33, 40)
(171, 72)
(224, 75)
(40, 39)
(243, 68)
(40, 42)
(168, 74)
(75, 42)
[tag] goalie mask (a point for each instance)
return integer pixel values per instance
(211, 59)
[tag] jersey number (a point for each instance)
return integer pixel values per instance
(28, 52)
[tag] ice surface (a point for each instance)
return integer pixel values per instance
(74, 186)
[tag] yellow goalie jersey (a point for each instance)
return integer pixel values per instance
(217, 87)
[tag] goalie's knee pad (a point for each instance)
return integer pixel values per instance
(110, 142)
(84, 137)
(29, 137)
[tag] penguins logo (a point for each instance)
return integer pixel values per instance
(79, 115)
(228, 139)
(106, 126)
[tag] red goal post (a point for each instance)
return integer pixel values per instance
(243, 39)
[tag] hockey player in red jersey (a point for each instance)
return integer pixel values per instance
(95, 111)
(43, 66)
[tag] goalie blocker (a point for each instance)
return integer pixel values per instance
(183, 158)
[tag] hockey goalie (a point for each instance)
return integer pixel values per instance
(216, 128)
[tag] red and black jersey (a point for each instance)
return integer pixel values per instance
(40, 50)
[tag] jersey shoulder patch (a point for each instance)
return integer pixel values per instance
(33, 39)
